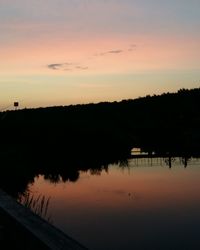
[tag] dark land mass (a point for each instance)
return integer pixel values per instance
(58, 142)
(169, 120)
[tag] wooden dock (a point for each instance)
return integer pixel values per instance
(27, 231)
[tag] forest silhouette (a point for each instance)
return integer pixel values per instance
(170, 120)
(58, 142)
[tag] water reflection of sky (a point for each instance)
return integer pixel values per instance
(137, 207)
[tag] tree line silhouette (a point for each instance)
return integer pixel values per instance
(170, 121)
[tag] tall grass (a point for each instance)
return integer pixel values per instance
(37, 204)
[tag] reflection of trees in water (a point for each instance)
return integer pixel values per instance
(19, 170)
(168, 161)
(62, 176)
(37, 204)
(172, 160)
(123, 163)
(185, 160)
(98, 170)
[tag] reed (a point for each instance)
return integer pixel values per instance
(37, 204)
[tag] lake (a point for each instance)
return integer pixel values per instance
(138, 204)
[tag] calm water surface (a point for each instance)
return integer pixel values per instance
(146, 205)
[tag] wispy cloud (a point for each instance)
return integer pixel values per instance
(57, 66)
(117, 51)
(66, 66)
(74, 66)
(81, 67)
(132, 47)
(54, 66)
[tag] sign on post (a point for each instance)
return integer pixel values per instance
(16, 105)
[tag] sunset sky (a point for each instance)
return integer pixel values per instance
(60, 52)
